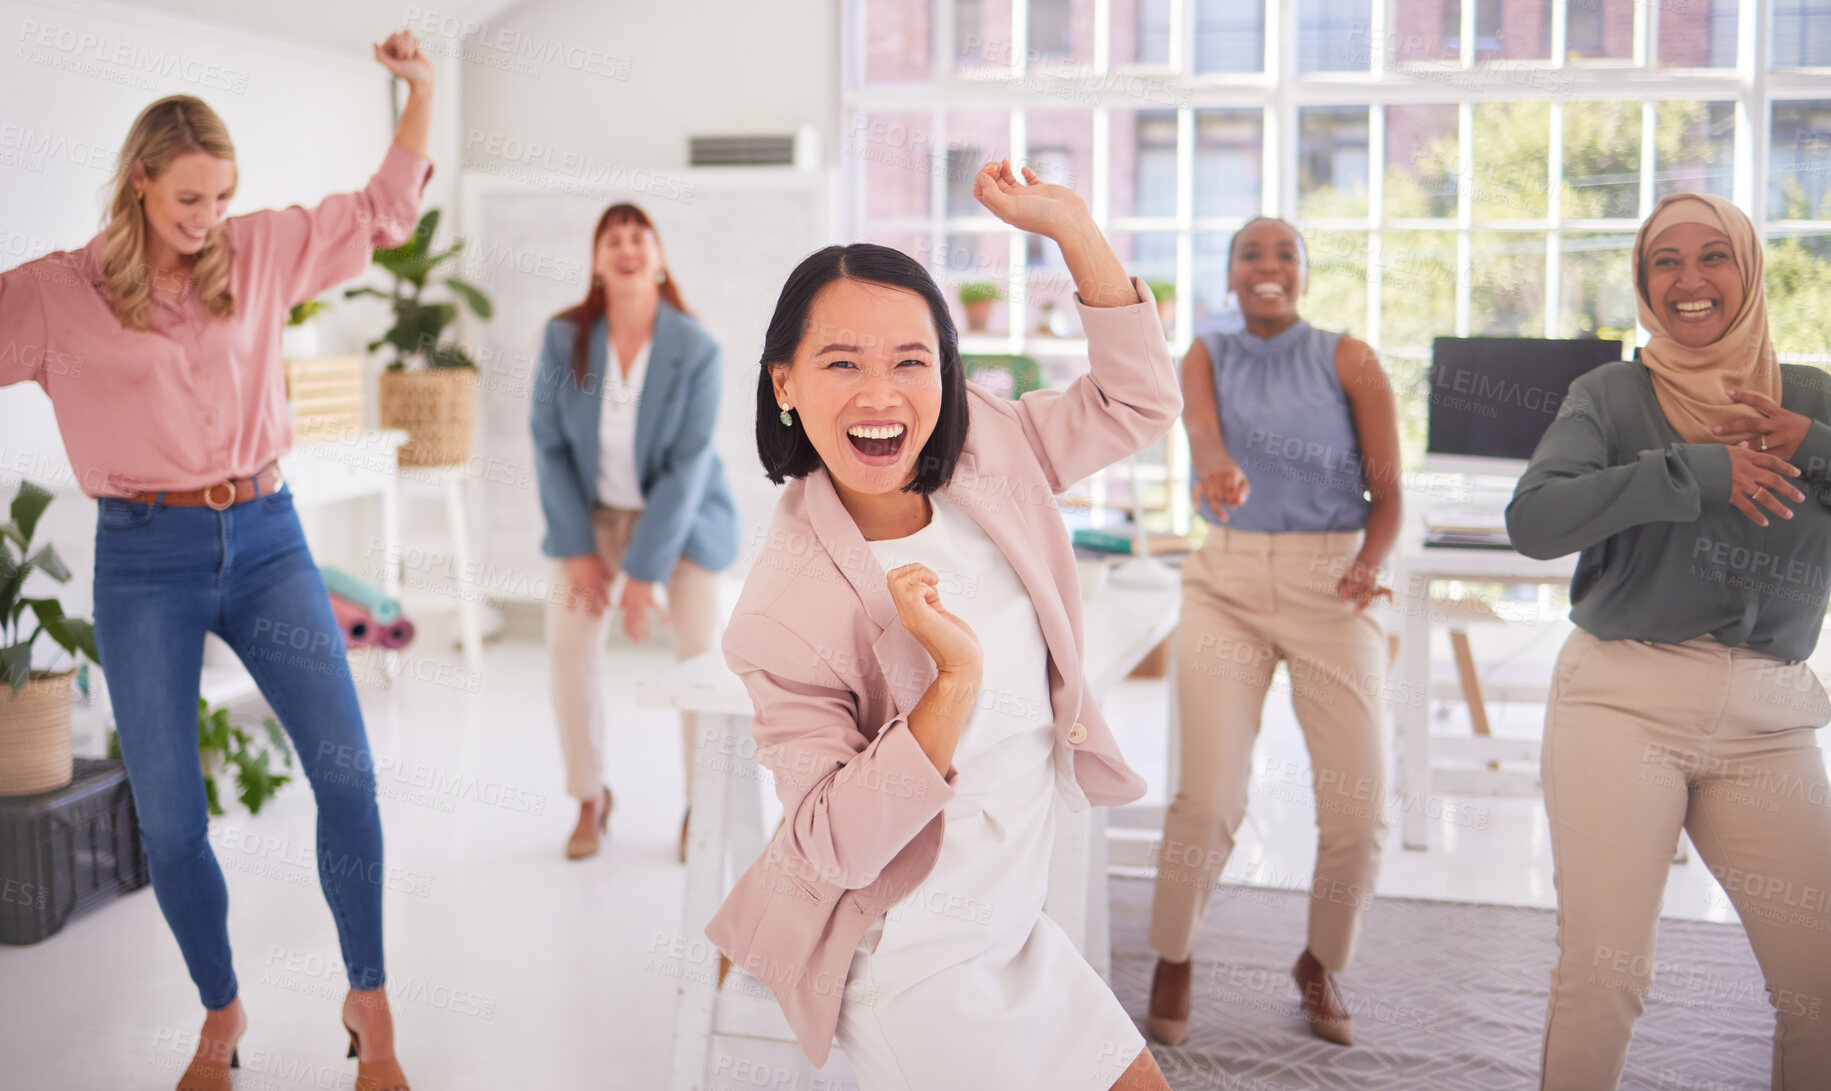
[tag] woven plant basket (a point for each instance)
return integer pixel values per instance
(35, 734)
(437, 408)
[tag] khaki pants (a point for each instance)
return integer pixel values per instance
(1641, 739)
(576, 642)
(1251, 600)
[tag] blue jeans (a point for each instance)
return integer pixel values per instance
(163, 577)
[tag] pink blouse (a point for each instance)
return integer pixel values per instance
(196, 399)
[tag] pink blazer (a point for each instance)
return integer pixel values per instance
(833, 674)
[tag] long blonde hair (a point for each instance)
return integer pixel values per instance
(175, 125)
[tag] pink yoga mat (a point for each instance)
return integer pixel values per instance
(397, 635)
(358, 627)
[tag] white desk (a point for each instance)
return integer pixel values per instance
(1418, 780)
(726, 829)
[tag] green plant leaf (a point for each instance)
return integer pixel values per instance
(28, 504)
(114, 744)
(53, 565)
(11, 532)
(472, 295)
(211, 796)
(277, 736)
(352, 293)
(16, 664)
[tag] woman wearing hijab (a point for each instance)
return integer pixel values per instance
(1682, 699)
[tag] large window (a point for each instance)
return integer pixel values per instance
(1451, 175)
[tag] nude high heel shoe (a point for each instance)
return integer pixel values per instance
(1168, 1019)
(577, 847)
(376, 1075)
(203, 1075)
(1322, 1001)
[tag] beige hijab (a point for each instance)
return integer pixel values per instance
(1693, 384)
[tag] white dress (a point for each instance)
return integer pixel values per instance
(966, 984)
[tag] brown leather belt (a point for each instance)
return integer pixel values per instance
(222, 494)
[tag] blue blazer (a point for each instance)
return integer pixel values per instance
(687, 505)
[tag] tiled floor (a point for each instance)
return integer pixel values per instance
(512, 968)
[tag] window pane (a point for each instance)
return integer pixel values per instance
(1421, 161)
(1799, 294)
(1601, 160)
(1596, 288)
(1699, 34)
(1599, 28)
(1061, 147)
(1337, 296)
(1799, 161)
(981, 262)
(1512, 145)
(1143, 169)
(896, 151)
(1147, 254)
(1507, 284)
(1061, 30)
(1802, 33)
(1696, 144)
(1229, 36)
(1140, 32)
(1514, 29)
(982, 34)
(1332, 161)
(1332, 35)
(896, 40)
(973, 139)
(1229, 162)
(1424, 30)
(1417, 288)
(1214, 309)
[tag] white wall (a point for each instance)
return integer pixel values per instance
(668, 70)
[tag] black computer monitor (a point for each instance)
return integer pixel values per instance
(1491, 398)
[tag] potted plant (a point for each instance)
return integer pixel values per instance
(429, 387)
(977, 298)
(224, 745)
(34, 704)
(1165, 292)
(299, 338)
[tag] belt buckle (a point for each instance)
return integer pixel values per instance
(209, 499)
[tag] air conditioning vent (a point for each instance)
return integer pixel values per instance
(743, 151)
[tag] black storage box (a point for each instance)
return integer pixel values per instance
(65, 852)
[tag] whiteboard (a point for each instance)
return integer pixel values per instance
(730, 237)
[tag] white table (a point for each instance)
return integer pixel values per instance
(1418, 780)
(726, 829)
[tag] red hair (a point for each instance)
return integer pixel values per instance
(586, 313)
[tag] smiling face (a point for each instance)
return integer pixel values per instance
(865, 385)
(627, 256)
(1693, 282)
(185, 202)
(1267, 270)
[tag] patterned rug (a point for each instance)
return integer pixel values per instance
(1444, 996)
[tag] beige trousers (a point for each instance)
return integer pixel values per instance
(576, 643)
(1251, 600)
(1641, 739)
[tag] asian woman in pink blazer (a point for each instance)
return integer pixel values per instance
(911, 638)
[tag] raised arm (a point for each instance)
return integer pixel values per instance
(1129, 397)
(849, 804)
(401, 55)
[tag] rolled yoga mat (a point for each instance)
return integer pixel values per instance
(358, 627)
(380, 607)
(397, 635)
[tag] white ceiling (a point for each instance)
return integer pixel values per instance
(339, 26)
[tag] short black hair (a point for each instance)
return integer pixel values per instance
(785, 450)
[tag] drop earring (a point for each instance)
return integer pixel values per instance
(661, 276)
(787, 421)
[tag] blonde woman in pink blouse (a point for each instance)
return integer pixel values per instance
(159, 346)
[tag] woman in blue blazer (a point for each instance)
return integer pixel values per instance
(623, 423)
